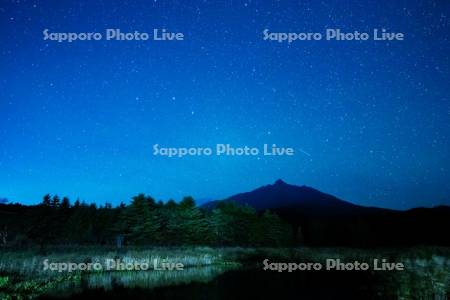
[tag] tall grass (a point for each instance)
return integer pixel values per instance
(22, 271)
(30, 261)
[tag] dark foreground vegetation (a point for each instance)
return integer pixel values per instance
(220, 246)
(143, 222)
(221, 272)
(320, 220)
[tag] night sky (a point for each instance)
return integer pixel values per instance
(369, 120)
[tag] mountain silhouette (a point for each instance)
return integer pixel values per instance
(325, 220)
(303, 199)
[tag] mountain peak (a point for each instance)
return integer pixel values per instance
(279, 182)
(283, 195)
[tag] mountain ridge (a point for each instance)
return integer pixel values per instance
(281, 195)
(324, 220)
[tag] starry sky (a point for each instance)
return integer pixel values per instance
(369, 120)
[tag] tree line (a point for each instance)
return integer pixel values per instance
(143, 222)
